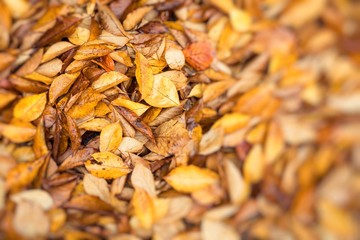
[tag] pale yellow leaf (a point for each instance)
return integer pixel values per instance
(211, 141)
(238, 189)
(142, 177)
(175, 58)
(30, 221)
(191, 178)
(95, 125)
(31, 107)
(97, 187)
(36, 196)
(19, 133)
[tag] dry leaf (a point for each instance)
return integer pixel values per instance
(254, 165)
(190, 178)
(110, 137)
(136, 107)
(142, 178)
(133, 18)
(163, 93)
(23, 174)
(144, 208)
(199, 55)
(175, 58)
(34, 196)
(31, 107)
(107, 165)
(97, 187)
(30, 221)
(108, 80)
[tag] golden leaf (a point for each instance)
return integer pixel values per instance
(40, 148)
(91, 50)
(6, 98)
(238, 189)
(61, 85)
(110, 137)
(55, 50)
(232, 122)
(142, 178)
(136, 107)
(240, 20)
(107, 165)
(18, 132)
(144, 75)
(254, 165)
(133, 18)
(39, 77)
(211, 141)
(274, 143)
(108, 80)
(23, 174)
(95, 125)
(144, 208)
(191, 178)
(163, 94)
(31, 107)
(85, 104)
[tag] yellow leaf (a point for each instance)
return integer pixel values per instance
(85, 104)
(144, 75)
(95, 125)
(108, 80)
(39, 77)
(18, 133)
(274, 143)
(31, 107)
(23, 174)
(240, 20)
(232, 122)
(6, 97)
(143, 207)
(61, 85)
(110, 137)
(136, 107)
(191, 178)
(163, 94)
(254, 165)
(91, 51)
(135, 17)
(55, 50)
(107, 165)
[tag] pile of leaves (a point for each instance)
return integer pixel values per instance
(179, 119)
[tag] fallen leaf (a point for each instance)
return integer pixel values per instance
(23, 174)
(191, 178)
(110, 137)
(108, 80)
(107, 165)
(38, 197)
(97, 187)
(30, 221)
(142, 178)
(31, 107)
(199, 55)
(175, 58)
(144, 208)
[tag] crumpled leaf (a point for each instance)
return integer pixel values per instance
(31, 107)
(110, 137)
(191, 178)
(107, 165)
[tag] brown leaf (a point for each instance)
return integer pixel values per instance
(88, 203)
(137, 123)
(64, 27)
